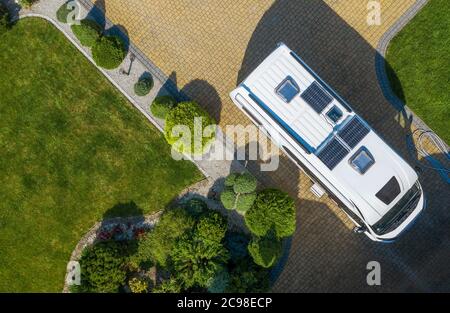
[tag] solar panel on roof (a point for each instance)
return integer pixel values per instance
(332, 153)
(287, 89)
(353, 132)
(316, 97)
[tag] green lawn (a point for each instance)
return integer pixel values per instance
(71, 148)
(419, 61)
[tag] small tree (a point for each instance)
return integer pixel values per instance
(239, 192)
(219, 282)
(143, 86)
(265, 251)
(109, 52)
(88, 32)
(162, 105)
(138, 285)
(158, 244)
(273, 209)
(102, 267)
(211, 227)
(187, 114)
(196, 261)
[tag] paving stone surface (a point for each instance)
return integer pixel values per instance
(209, 46)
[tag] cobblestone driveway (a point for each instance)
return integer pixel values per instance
(209, 46)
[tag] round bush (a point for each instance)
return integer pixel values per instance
(143, 86)
(196, 207)
(102, 267)
(88, 32)
(162, 105)
(228, 199)
(231, 179)
(109, 52)
(265, 251)
(27, 3)
(244, 202)
(187, 114)
(5, 19)
(245, 183)
(64, 11)
(273, 209)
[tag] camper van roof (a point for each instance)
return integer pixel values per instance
(342, 145)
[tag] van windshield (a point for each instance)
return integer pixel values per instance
(399, 212)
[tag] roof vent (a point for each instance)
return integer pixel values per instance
(288, 89)
(362, 160)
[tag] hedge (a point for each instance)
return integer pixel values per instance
(245, 183)
(265, 251)
(186, 114)
(109, 52)
(239, 193)
(244, 202)
(162, 105)
(88, 32)
(143, 86)
(273, 209)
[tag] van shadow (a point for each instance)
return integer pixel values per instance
(340, 56)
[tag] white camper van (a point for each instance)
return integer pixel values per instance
(338, 150)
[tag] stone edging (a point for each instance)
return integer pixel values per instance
(380, 63)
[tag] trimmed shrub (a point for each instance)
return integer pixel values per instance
(143, 86)
(157, 244)
(27, 3)
(102, 267)
(186, 114)
(5, 19)
(239, 192)
(196, 207)
(265, 251)
(244, 202)
(109, 52)
(64, 11)
(138, 285)
(88, 32)
(162, 105)
(219, 283)
(211, 227)
(245, 183)
(237, 244)
(272, 209)
(228, 198)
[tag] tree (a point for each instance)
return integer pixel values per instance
(239, 193)
(196, 261)
(102, 267)
(219, 282)
(191, 118)
(27, 3)
(88, 32)
(237, 243)
(109, 52)
(196, 207)
(265, 251)
(247, 277)
(272, 210)
(158, 243)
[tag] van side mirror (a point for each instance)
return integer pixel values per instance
(359, 229)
